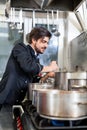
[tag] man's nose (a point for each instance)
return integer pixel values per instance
(46, 45)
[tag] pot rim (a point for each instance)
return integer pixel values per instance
(56, 91)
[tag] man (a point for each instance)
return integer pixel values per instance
(23, 66)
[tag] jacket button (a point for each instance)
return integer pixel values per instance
(26, 81)
(17, 100)
(21, 91)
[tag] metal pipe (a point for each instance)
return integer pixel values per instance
(45, 3)
(33, 18)
(81, 22)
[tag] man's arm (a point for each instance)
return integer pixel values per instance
(52, 67)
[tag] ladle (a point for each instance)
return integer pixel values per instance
(57, 33)
(33, 19)
(47, 20)
(53, 27)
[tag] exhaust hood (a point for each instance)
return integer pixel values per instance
(62, 5)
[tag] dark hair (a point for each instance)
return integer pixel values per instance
(36, 33)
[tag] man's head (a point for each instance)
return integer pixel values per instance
(39, 38)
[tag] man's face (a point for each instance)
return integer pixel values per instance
(41, 44)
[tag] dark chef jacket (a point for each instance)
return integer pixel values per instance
(21, 68)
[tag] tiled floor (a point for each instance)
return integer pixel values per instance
(6, 121)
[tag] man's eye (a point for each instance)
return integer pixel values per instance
(44, 41)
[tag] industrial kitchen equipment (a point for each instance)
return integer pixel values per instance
(32, 93)
(62, 104)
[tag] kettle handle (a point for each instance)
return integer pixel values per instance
(82, 103)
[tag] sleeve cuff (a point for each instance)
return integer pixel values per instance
(40, 67)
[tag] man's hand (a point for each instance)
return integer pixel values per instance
(53, 67)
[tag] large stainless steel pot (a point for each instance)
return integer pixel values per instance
(32, 93)
(57, 104)
(35, 86)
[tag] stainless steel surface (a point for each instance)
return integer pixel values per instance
(33, 87)
(61, 81)
(65, 119)
(80, 82)
(65, 80)
(68, 5)
(80, 20)
(35, 90)
(43, 3)
(61, 103)
(77, 75)
(53, 30)
(17, 107)
(78, 52)
(77, 83)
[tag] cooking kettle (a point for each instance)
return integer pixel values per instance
(32, 93)
(69, 80)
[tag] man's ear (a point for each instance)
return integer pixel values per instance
(33, 41)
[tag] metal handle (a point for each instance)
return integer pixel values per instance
(17, 107)
(82, 103)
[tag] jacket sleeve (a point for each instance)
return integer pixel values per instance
(25, 60)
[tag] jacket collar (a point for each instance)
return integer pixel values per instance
(33, 52)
